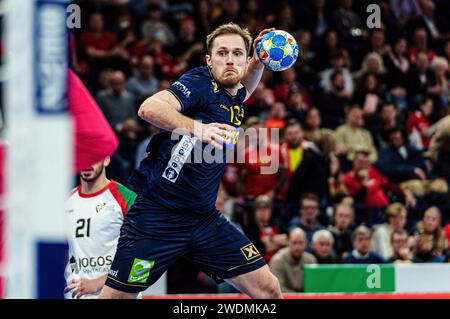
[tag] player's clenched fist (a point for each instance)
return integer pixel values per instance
(216, 134)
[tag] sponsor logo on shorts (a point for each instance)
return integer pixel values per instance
(250, 251)
(141, 270)
(113, 273)
(179, 157)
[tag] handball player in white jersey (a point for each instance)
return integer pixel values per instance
(94, 215)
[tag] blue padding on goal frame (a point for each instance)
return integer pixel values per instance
(51, 261)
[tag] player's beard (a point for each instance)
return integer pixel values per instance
(91, 174)
(227, 79)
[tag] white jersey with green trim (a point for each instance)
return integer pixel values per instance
(93, 223)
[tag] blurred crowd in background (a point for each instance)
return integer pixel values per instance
(358, 181)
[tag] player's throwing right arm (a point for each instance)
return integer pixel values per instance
(163, 110)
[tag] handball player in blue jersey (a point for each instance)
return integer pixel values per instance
(174, 214)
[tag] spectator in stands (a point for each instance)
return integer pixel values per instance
(317, 18)
(277, 115)
(337, 190)
(322, 247)
(446, 231)
(441, 90)
(231, 12)
(401, 252)
(372, 63)
(154, 28)
(343, 216)
(305, 69)
(293, 145)
(390, 118)
(427, 21)
(312, 174)
(100, 47)
(420, 45)
(118, 105)
(292, 149)
(429, 237)
(337, 63)
(144, 83)
(330, 44)
(404, 11)
(368, 186)
(401, 162)
(298, 103)
(288, 83)
(261, 152)
(285, 19)
(352, 136)
(189, 50)
(261, 100)
(312, 124)
(287, 264)
(377, 41)
(420, 78)
(135, 47)
(307, 218)
(368, 93)
(253, 16)
(419, 128)
(397, 63)
(362, 252)
(396, 217)
(263, 233)
(347, 22)
(439, 150)
(203, 18)
(332, 104)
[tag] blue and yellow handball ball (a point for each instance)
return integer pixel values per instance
(277, 50)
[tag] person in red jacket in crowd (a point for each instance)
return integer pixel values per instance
(419, 128)
(98, 46)
(368, 186)
(261, 153)
(447, 232)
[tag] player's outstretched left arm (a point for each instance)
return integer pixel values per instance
(255, 67)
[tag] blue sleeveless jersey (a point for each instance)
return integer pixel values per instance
(169, 175)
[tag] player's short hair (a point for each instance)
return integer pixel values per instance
(229, 28)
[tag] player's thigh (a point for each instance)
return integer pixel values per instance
(111, 293)
(144, 253)
(259, 283)
(222, 251)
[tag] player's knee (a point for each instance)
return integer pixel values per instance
(272, 290)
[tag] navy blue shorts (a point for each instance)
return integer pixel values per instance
(153, 237)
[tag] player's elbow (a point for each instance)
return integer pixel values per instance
(146, 111)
